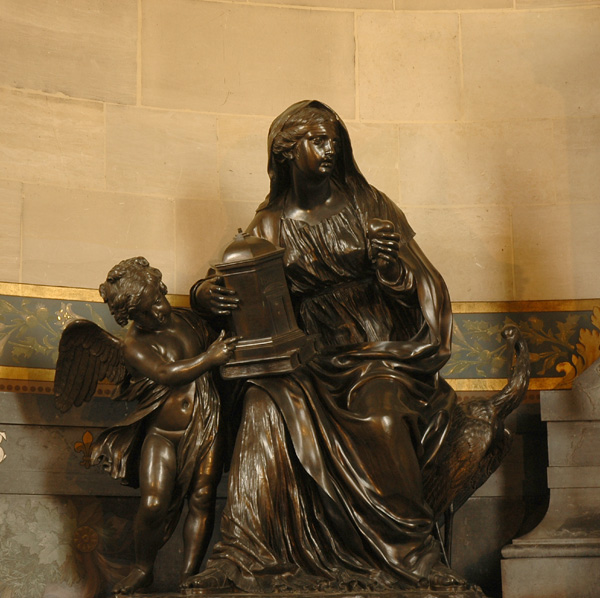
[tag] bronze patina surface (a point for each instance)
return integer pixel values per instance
(343, 465)
(170, 445)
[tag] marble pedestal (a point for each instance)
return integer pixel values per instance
(560, 558)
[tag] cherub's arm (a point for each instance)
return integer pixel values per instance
(147, 361)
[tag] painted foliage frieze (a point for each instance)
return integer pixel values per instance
(563, 337)
(30, 328)
(562, 344)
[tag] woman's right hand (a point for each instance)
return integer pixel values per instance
(212, 297)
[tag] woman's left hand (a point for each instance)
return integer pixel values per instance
(384, 246)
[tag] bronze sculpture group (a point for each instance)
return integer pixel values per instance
(342, 466)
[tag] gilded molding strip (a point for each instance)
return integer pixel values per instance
(36, 291)
(26, 374)
(458, 307)
(10, 375)
(461, 384)
(47, 292)
(495, 384)
(491, 307)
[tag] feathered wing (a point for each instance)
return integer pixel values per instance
(87, 354)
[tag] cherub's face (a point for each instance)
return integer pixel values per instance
(153, 311)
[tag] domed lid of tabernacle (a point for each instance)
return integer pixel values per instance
(246, 247)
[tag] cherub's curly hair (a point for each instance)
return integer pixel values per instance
(124, 285)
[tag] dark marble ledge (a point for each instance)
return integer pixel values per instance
(470, 593)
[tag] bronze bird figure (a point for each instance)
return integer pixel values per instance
(476, 441)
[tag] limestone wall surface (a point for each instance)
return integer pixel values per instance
(138, 127)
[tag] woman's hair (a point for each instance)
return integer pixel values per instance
(297, 126)
(124, 285)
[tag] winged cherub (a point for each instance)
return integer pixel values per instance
(170, 444)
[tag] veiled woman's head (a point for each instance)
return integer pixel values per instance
(307, 143)
(297, 126)
(290, 128)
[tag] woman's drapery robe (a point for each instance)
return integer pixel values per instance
(325, 486)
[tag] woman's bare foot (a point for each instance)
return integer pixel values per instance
(210, 581)
(442, 577)
(135, 580)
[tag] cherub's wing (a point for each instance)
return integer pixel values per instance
(87, 354)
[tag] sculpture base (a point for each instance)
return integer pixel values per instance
(470, 593)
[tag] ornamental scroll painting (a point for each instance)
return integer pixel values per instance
(343, 465)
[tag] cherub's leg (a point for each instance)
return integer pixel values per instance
(199, 522)
(157, 478)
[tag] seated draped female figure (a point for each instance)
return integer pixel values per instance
(325, 488)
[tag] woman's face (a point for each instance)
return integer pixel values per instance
(314, 155)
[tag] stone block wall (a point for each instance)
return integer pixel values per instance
(138, 127)
(134, 127)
